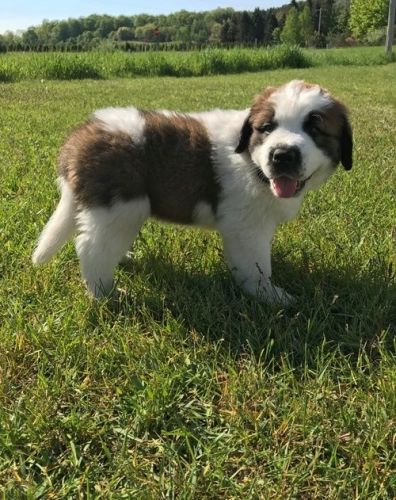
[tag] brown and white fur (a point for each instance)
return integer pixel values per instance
(239, 172)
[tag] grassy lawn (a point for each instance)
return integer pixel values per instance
(191, 389)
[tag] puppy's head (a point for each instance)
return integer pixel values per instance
(296, 134)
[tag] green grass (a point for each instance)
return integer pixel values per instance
(99, 65)
(56, 65)
(355, 56)
(191, 389)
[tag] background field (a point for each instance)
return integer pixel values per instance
(192, 389)
(101, 65)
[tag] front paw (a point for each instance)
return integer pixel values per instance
(269, 293)
(277, 296)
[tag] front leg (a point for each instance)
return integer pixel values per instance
(248, 253)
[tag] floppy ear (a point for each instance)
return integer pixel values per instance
(244, 138)
(346, 144)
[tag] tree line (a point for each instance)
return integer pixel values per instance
(310, 23)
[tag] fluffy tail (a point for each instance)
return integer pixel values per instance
(58, 229)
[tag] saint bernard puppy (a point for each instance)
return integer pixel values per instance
(239, 172)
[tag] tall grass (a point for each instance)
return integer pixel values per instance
(355, 56)
(70, 66)
(99, 65)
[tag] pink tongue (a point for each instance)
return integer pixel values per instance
(284, 187)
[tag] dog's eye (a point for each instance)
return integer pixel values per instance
(313, 123)
(266, 128)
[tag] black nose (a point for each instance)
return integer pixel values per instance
(285, 156)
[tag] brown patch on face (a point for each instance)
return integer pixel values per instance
(330, 129)
(172, 166)
(262, 109)
(261, 112)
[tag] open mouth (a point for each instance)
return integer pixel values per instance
(283, 186)
(286, 187)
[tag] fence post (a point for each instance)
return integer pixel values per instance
(390, 32)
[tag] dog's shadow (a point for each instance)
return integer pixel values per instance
(342, 307)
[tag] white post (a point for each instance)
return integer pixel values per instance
(390, 32)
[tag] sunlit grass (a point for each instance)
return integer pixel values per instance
(99, 65)
(191, 389)
(66, 66)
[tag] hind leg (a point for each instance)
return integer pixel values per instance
(105, 234)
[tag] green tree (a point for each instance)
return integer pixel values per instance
(124, 34)
(30, 37)
(367, 15)
(258, 22)
(146, 33)
(199, 32)
(75, 28)
(244, 27)
(341, 9)
(219, 15)
(215, 33)
(3, 44)
(306, 26)
(105, 26)
(229, 31)
(225, 32)
(123, 22)
(60, 32)
(143, 19)
(291, 33)
(44, 32)
(86, 40)
(271, 24)
(323, 15)
(183, 34)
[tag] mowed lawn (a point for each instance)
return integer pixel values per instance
(190, 389)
